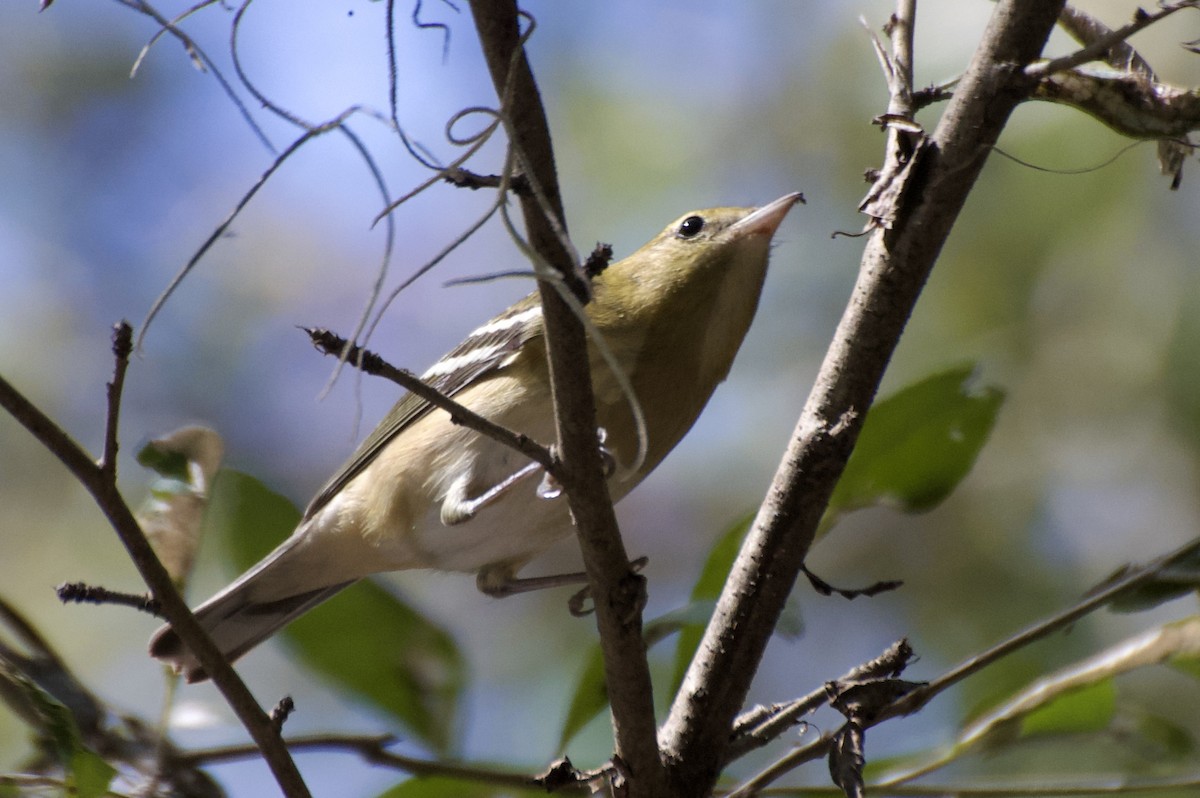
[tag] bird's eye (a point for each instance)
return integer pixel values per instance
(690, 227)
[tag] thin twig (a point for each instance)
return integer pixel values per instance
(371, 363)
(122, 345)
(196, 51)
(228, 221)
(919, 697)
(83, 593)
(817, 749)
(1098, 48)
(1166, 787)
(104, 490)
(393, 91)
(373, 749)
(757, 728)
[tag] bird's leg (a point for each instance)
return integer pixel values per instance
(549, 487)
(498, 581)
(457, 507)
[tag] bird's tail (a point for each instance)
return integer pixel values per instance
(244, 614)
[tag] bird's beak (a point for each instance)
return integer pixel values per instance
(765, 220)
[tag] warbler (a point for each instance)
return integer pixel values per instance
(424, 492)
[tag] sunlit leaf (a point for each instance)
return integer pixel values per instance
(186, 461)
(1083, 709)
(90, 774)
(1078, 698)
(1152, 647)
(365, 640)
(446, 787)
(918, 444)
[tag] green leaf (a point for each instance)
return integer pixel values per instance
(447, 787)
(1084, 709)
(591, 691)
(591, 696)
(696, 615)
(189, 454)
(87, 774)
(589, 699)
(1173, 741)
(1054, 702)
(172, 465)
(706, 590)
(1179, 579)
(90, 774)
(365, 640)
(918, 444)
(1078, 698)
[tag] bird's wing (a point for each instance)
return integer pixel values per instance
(486, 350)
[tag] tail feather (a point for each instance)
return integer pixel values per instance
(294, 578)
(236, 625)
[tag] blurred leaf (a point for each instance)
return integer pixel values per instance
(1155, 646)
(1173, 740)
(1082, 709)
(365, 640)
(918, 444)
(446, 787)
(189, 454)
(591, 696)
(370, 642)
(186, 461)
(707, 589)
(704, 599)
(589, 699)
(591, 692)
(1181, 374)
(1189, 665)
(1078, 698)
(1179, 579)
(90, 774)
(172, 465)
(87, 774)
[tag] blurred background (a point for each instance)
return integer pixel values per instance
(1077, 294)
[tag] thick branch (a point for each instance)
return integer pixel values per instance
(895, 267)
(617, 591)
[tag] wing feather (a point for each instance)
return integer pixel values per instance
(485, 351)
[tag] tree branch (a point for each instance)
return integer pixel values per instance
(97, 480)
(894, 269)
(618, 592)
(369, 362)
(373, 749)
(917, 697)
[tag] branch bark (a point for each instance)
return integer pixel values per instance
(894, 269)
(99, 480)
(616, 590)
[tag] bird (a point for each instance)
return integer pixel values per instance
(423, 492)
